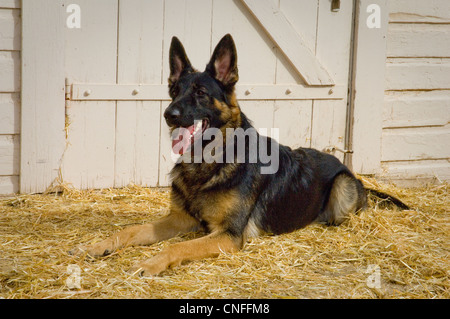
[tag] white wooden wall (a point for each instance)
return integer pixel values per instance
(416, 112)
(10, 46)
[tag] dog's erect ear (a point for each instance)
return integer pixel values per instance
(178, 60)
(223, 63)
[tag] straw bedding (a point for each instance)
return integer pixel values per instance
(407, 250)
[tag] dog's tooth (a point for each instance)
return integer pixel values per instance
(198, 126)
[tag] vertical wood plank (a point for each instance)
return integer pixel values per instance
(138, 123)
(333, 48)
(368, 89)
(42, 132)
(89, 157)
(293, 118)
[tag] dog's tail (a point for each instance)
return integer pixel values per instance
(388, 198)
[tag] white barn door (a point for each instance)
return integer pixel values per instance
(293, 59)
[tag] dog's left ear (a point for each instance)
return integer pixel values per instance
(223, 63)
(178, 60)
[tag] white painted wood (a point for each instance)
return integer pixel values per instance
(9, 113)
(261, 114)
(10, 26)
(368, 90)
(9, 154)
(42, 124)
(190, 21)
(9, 184)
(416, 108)
(417, 74)
(419, 11)
(288, 40)
(416, 143)
(137, 123)
(10, 4)
(414, 173)
(10, 71)
(159, 92)
(293, 120)
(418, 40)
(91, 56)
(329, 117)
(257, 54)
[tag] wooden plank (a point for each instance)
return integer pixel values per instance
(419, 11)
(416, 108)
(89, 158)
(10, 71)
(42, 97)
(328, 124)
(10, 4)
(417, 74)
(190, 21)
(137, 143)
(293, 120)
(290, 92)
(9, 184)
(418, 40)
(90, 154)
(416, 143)
(412, 173)
(234, 18)
(9, 113)
(154, 92)
(290, 42)
(9, 154)
(10, 24)
(261, 114)
(368, 90)
(302, 15)
(137, 123)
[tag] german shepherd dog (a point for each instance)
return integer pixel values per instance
(232, 201)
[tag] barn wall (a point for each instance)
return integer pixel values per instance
(10, 46)
(416, 114)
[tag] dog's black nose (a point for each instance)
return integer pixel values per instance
(172, 114)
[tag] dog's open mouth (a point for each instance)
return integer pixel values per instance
(184, 137)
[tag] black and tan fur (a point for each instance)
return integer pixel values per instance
(233, 201)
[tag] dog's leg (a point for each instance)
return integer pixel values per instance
(347, 196)
(204, 247)
(177, 222)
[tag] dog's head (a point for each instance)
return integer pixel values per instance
(202, 100)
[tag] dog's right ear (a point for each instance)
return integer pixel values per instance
(178, 60)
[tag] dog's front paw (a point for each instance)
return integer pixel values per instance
(96, 250)
(151, 267)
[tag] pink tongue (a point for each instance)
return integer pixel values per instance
(183, 140)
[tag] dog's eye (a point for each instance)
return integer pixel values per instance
(200, 92)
